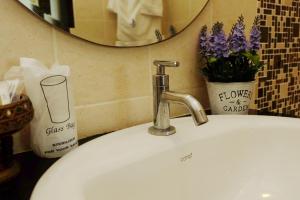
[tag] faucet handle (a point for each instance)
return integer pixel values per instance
(161, 64)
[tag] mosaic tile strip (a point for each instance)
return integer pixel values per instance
(279, 81)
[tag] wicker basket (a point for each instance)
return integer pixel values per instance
(15, 116)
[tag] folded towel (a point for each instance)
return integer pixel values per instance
(152, 7)
(133, 26)
(127, 10)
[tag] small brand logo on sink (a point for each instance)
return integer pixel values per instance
(186, 157)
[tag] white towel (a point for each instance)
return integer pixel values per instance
(152, 7)
(127, 10)
(133, 26)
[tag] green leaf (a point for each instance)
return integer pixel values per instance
(212, 59)
(256, 59)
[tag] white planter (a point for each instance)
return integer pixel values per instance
(230, 98)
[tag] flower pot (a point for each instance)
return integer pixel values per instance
(230, 98)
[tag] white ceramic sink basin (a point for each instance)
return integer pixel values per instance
(228, 158)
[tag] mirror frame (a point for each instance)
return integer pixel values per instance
(105, 45)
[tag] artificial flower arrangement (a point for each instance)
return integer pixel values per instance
(231, 65)
(232, 58)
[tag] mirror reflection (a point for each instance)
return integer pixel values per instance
(118, 22)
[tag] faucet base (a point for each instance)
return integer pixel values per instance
(162, 132)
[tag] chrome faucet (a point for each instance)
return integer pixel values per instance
(162, 97)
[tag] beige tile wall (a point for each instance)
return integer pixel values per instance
(112, 87)
(180, 13)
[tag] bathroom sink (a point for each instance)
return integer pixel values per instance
(228, 158)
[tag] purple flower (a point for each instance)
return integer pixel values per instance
(238, 40)
(218, 42)
(204, 42)
(255, 36)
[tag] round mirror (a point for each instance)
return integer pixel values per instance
(120, 23)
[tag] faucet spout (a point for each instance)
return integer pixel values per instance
(190, 102)
(162, 96)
